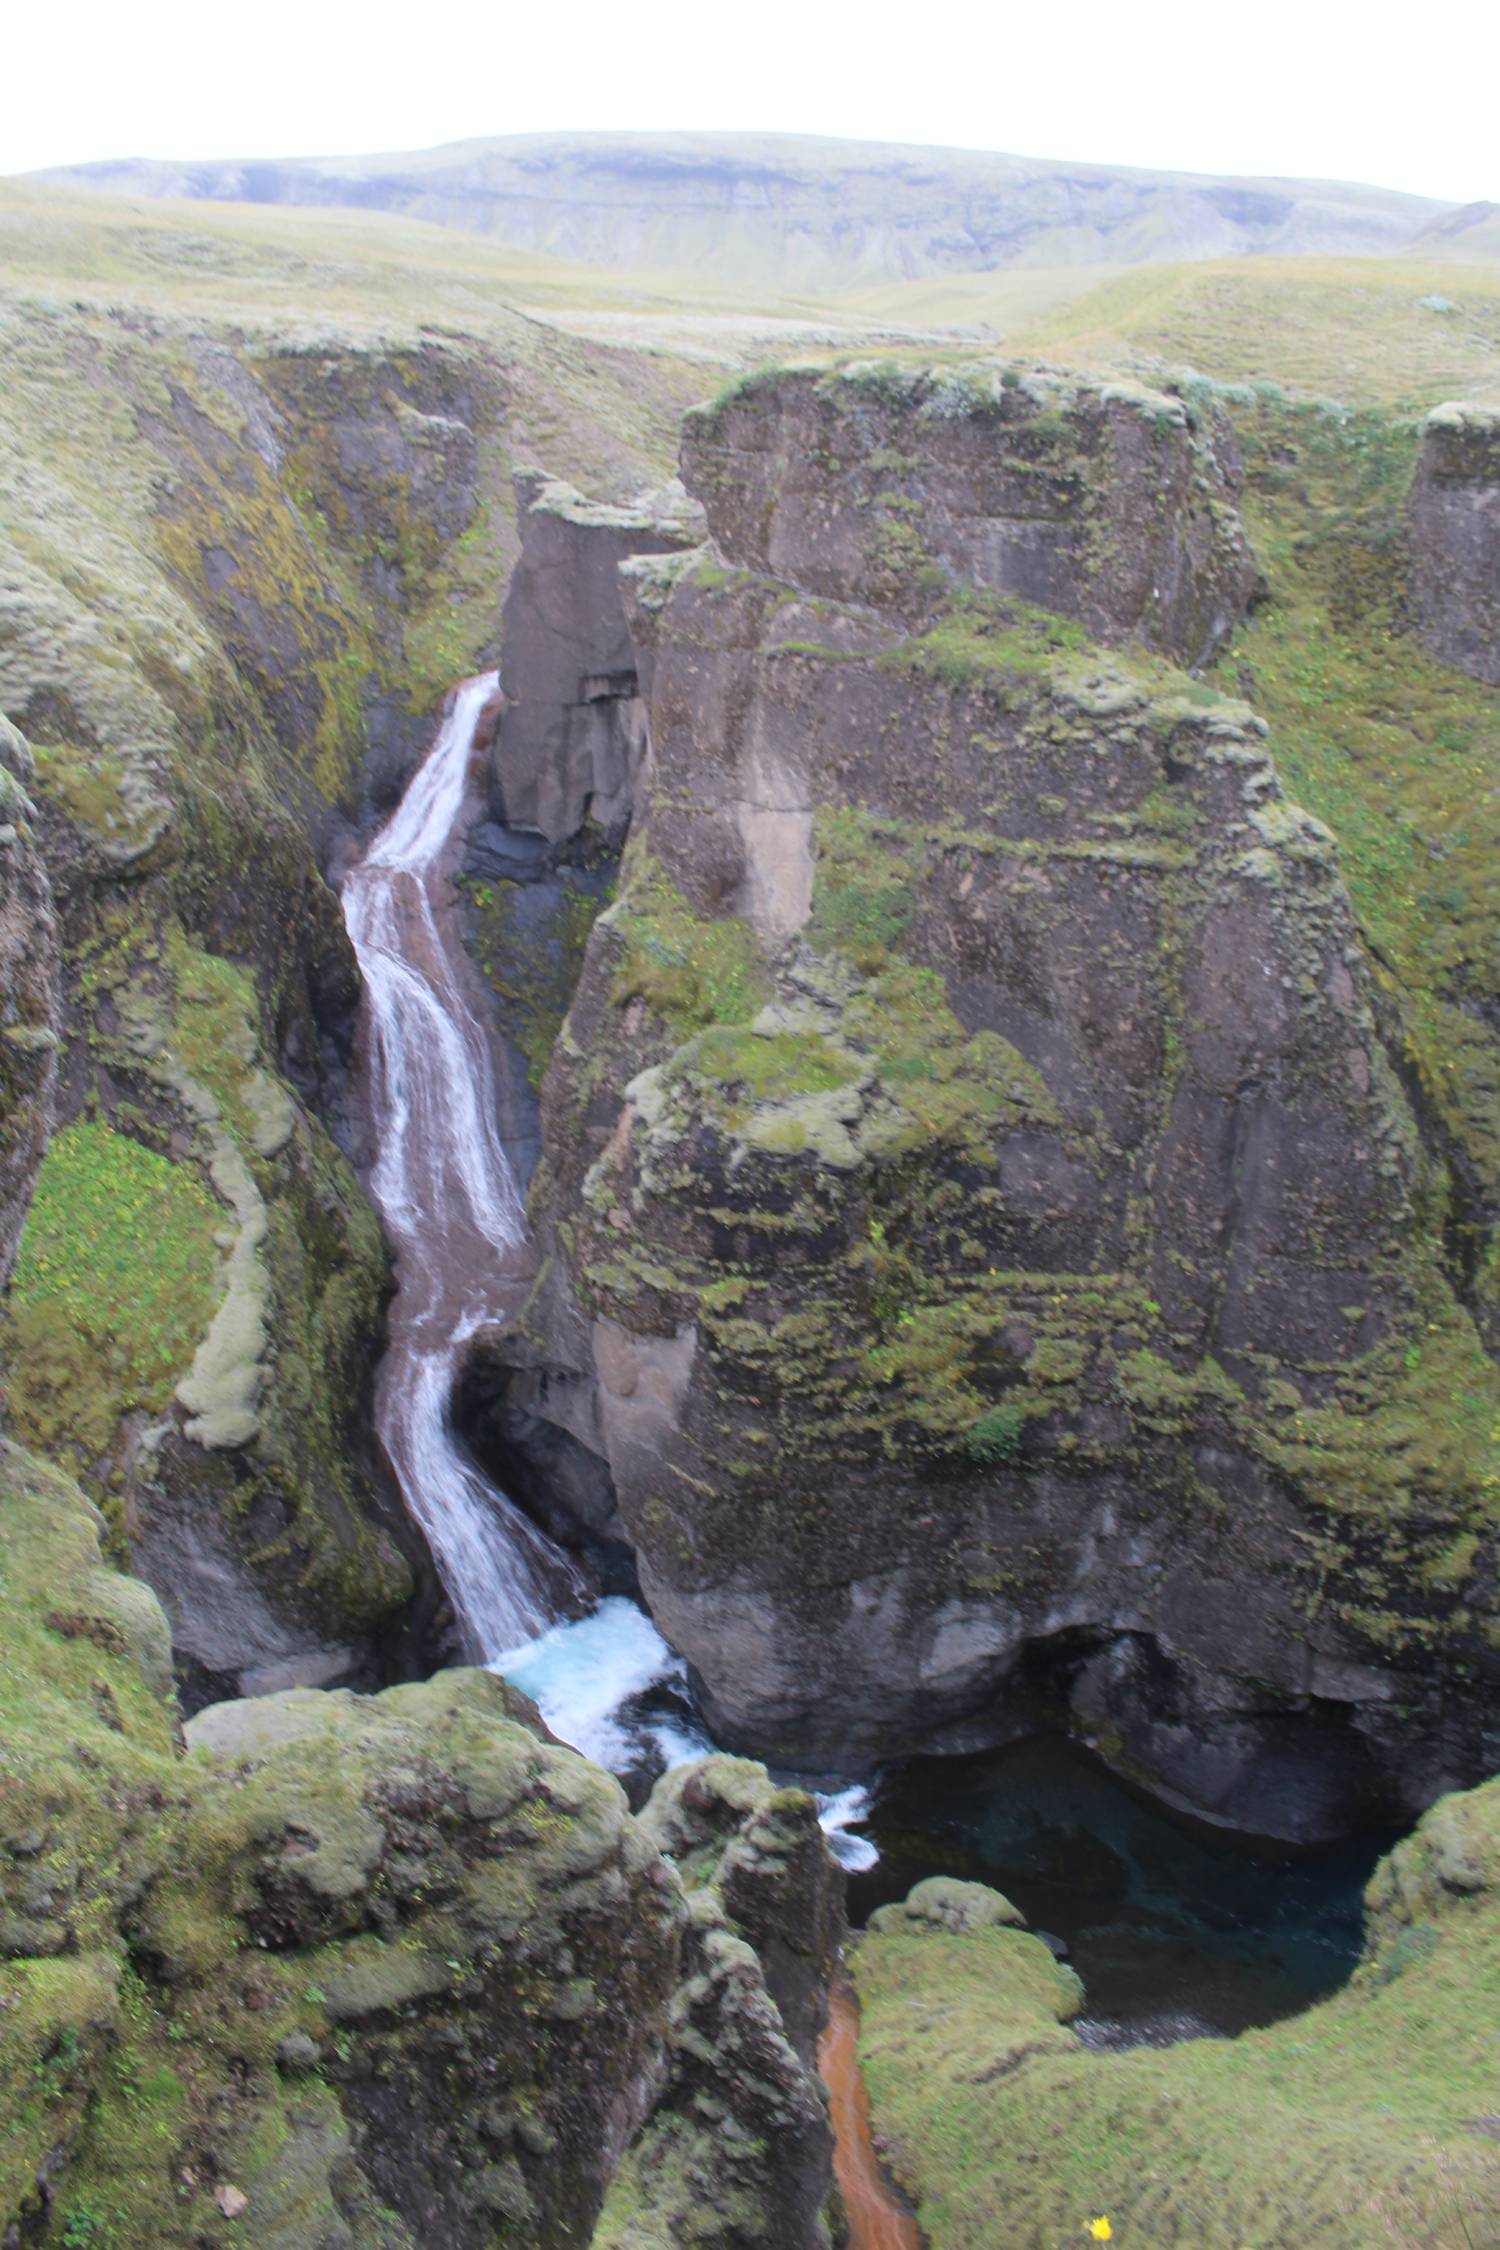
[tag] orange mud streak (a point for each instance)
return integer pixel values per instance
(874, 2221)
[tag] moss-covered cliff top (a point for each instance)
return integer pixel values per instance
(1370, 2119)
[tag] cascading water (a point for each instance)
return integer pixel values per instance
(443, 1185)
(444, 1189)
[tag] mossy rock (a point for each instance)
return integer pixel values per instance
(1369, 2117)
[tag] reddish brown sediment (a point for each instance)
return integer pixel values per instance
(876, 2222)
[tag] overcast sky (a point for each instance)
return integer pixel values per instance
(1302, 87)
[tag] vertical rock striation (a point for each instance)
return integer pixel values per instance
(29, 996)
(1455, 512)
(992, 1271)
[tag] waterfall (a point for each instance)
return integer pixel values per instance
(443, 1186)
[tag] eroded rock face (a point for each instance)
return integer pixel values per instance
(572, 730)
(29, 998)
(1114, 506)
(212, 652)
(1456, 538)
(393, 1971)
(987, 1246)
(739, 2148)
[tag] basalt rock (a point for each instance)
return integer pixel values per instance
(1111, 505)
(202, 638)
(573, 727)
(1455, 511)
(987, 1250)
(395, 1971)
(738, 2149)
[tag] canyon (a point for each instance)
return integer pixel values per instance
(959, 887)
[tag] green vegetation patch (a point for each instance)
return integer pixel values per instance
(118, 1277)
(751, 1067)
(86, 783)
(864, 886)
(980, 638)
(1367, 2120)
(692, 970)
(1398, 753)
(948, 1086)
(532, 967)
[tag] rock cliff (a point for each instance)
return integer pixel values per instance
(29, 967)
(393, 1971)
(239, 572)
(1456, 538)
(992, 1267)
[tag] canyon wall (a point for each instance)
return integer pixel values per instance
(240, 571)
(1456, 538)
(993, 1276)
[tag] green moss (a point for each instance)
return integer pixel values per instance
(996, 1436)
(1397, 753)
(1351, 2124)
(980, 639)
(948, 1087)
(864, 885)
(692, 970)
(741, 1067)
(117, 1279)
(532, 969)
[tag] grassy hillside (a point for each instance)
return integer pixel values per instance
(1391, 332)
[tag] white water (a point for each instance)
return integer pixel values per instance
(443, 1186)
(444, 1189)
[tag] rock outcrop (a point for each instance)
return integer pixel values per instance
(393, 1971)
(573, 728)
(1371, 2117)
(1456, 538)
(239, 570)
(991, 1267)
(29, 998)
(739, 2149)
(1113, 505)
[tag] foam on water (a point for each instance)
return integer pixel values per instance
(840, 1812)
(580, 1673)
(583, 1673)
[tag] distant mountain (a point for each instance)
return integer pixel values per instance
(803, 214)
(1470, 231)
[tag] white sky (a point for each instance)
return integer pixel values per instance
(1316, 88)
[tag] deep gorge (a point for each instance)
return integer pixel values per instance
(1006, 1261)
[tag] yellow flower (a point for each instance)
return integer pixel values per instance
(1100, 2230)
